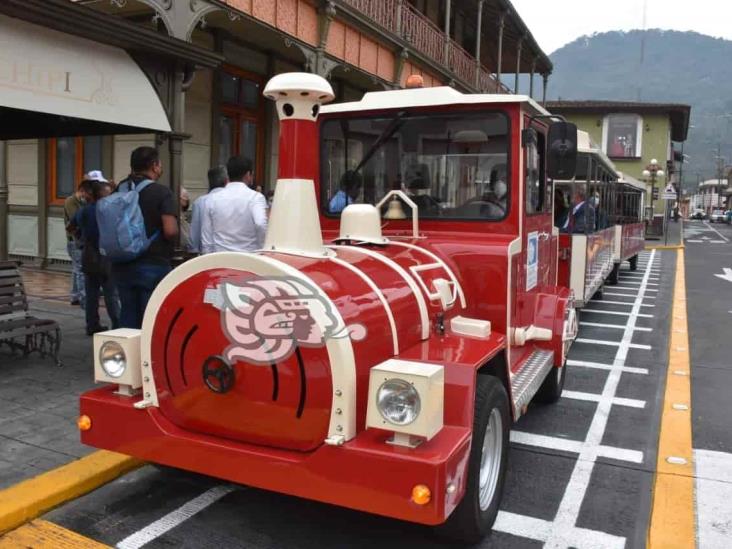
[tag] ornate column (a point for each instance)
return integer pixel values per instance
(399, 67)
(531, 78)
(3, 204)
(448, 6)
(545, 78)
(478, 37)
(501, 24)
(518, 65)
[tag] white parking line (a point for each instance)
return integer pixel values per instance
(618, 313)
(617, 401)
(600, 366)
(632, 288)
(575, 446)
(174, 518)
(538, 530)
(613, 326)
(605, 301)
(569, 509)
(611, 343)
(628, 295)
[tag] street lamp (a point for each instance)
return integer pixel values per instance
(652, 172)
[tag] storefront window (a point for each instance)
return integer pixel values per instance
(623, 136)
(69, 159)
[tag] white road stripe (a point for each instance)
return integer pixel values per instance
(600, 366)
(607, 302)
(613, 326)
(628, 295)
(575, 447)
(538, 529)
(617, 401)
(611, 343)
(632, 288)
(566, 518)
(713, 494)
(174, 518)
(716, 231)
(617, 313)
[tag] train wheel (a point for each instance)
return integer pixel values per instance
(633, 263)
(553, 385)
(475, 514)
(612, 278)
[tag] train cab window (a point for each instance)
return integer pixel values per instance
(452, 166)
(537, 199)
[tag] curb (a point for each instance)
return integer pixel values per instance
(665, 247)
(29, 498)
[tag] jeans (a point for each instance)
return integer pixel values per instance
(93, 284)
(135, 283)
(77, 277)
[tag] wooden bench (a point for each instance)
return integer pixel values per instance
(18, 329)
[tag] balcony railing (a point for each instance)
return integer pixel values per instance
(402, 19)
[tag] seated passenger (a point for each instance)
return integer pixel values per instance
(582, 218)
(418, 184)
(561, 209)
(350, 187)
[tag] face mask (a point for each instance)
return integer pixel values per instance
(499, 189)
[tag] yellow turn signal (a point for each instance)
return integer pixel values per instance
(83, 423)
(421, 494)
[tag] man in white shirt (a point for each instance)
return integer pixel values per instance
(235, 219)
(217, 180)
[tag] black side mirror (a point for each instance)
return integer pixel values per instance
(562, 150)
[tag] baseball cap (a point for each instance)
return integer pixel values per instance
(96, 175)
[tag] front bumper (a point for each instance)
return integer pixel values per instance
(364, 474)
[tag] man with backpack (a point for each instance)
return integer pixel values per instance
(138, 226)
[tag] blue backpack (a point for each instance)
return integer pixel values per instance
(122, 235)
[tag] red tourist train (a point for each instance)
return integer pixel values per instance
(405, 310)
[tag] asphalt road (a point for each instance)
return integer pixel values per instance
(580, 474)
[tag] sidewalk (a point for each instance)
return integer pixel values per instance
(674, 236)
(38, 400)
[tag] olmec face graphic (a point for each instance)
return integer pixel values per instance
(266, 319)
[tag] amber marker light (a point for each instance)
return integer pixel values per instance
(421, 494)
(83, 423)
(414, 81)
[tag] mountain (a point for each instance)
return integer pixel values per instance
(657, 65)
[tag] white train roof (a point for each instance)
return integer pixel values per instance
(630, 180)
(586, 145)
(427, 97)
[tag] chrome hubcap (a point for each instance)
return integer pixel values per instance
(490, 459)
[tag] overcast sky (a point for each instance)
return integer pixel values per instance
(555, 23)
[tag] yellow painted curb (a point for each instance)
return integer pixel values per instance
(665, 246)
(41, 534)
(673, 522)
(28, 499)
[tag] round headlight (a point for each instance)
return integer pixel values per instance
(398, 401)
(112, 358)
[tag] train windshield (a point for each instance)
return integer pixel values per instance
(452, 166)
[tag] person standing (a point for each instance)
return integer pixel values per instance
(96, 268)
(235, 219)
(218, 177)
(136, 280)
(73, 204)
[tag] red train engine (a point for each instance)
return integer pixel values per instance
(403, 313)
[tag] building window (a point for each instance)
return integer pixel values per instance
(240, 122)
(622, 135)
(69, 159)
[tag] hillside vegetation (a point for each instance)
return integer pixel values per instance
(657, 65)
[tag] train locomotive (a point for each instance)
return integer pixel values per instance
(403, 312)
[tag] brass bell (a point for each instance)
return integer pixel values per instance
(395, 210)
